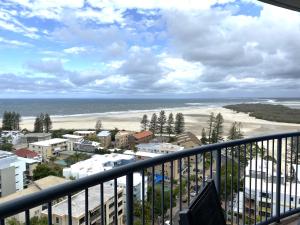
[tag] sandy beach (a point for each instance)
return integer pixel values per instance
(195, 118)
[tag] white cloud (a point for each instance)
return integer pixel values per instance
(14, 42)
(157, 4)
(104, 16)
(74, 50)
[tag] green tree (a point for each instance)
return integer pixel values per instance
(161, 122)
(6, 147)
(47, 123)
(113, 133)
(204, 139)
(38, 125)
(144, 122)
(98, 125)
(33, 221)
(39, 220)
(179, 123)
(76, 158)
(60, 132)
(170, 124)
(235, 131)
(153, 123)
(217, 134)
(158, 198)
(211, 122)
(44, 170)
(11, 121)
(232, 173)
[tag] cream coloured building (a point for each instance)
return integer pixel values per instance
(122, 139)
(85, 133)
(50, 148)
(35, 187)
(60, 210)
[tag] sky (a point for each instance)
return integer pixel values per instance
(148, 49)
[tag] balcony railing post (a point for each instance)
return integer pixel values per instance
(129, 199)
(218, 170)
(278, 178)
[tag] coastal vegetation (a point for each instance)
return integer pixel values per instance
(214, 130)
(44, 170)
(11, 121)
(42, 123)
(278, 113)
(162, 124)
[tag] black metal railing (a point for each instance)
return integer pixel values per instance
(256, 179)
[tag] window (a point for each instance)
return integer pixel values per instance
(291, 199)
(111, 205)
(56, 220)
(120, 212)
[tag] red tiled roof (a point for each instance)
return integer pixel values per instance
(142, 134)
(25, 153)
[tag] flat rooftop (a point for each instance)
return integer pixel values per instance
(78, 201)
(50, 142)
(37, 135)
(71, 136)
(36, 186)
(142, 153)
(104, 133)
(84, 132)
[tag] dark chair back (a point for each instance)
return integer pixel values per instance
(205, 209)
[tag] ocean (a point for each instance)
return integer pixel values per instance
(66, 107)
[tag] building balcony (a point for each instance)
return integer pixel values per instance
(244, 201)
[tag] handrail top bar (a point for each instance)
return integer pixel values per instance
(35, 199)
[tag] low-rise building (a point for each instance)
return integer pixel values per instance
(187, 140)
(26, 153)
(141, 155)
(60, 210)
(35, 137)
(122, 139)
(50, 148)
(85, 133)
(34, 187)
(86, 146)
(12, 136)
(142, 137)
(162, 148)
(104, 138)
(72, 139)
(100, 163)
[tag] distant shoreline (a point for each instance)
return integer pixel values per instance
(269, 112)
(195, 118)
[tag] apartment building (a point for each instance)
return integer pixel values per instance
(122, 139)
(50, 148)
(60, 210)
(150, 150)
(261, 193)
(104, 138)
(34, 187)
(12, 173)
(85, 133)
(142, 137)
(100, 163)
(35, 137)
(26, 153)
(86, 146)
(72, 139)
